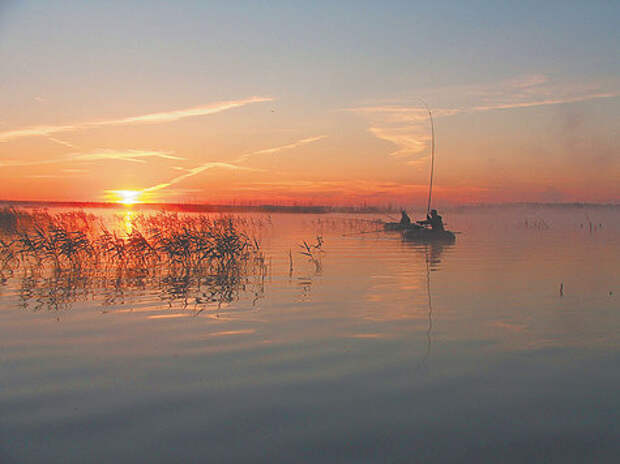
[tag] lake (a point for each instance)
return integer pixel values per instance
(501, 347)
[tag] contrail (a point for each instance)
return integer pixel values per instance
(265, 151)
(197, 170)
(151, 118)
(231, 166)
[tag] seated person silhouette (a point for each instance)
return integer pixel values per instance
(404, 219)
(434, 220)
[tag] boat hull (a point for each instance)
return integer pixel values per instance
(429, 235)
(397, 226)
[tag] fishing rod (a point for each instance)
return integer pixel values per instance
(363, 232)
(430, 184)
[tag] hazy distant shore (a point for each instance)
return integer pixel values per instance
(297, 209)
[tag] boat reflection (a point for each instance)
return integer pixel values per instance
(431, 253)
(430, 259)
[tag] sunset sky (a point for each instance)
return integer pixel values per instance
(282, 102)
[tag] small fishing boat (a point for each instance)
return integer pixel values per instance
(418, 232)
(399, 226)
(424, 234)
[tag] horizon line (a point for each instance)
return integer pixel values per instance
(386, 207)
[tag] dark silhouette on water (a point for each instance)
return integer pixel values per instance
(404, 223)
(434, 220)
(434, 233)
(404, 218)
(418, 232)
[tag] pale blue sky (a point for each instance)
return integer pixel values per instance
(335, 50)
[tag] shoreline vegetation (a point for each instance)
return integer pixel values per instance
(198, 260)
(295, 208)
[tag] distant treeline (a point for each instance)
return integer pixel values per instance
(299, 209)
(202, 208)
(574, 205)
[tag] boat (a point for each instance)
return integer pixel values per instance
(420, 233)
(424, 234)
(399, 226)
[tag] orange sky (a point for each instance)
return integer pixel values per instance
(97, 107)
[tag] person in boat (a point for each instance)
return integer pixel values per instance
(434, 220)
(404, 218)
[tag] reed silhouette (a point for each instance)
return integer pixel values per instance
(195, 260)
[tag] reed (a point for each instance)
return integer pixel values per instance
(195, 259)
(313, 252)
(75, 240)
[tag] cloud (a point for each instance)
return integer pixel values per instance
(197, 170)
(289, 146)
(408, 140)
(61, 142)
(169, 116)
(191, 172)
(44, 176)
(151, 118)
(528, 81)
(36, 131)
(136, 156)
(551, 101)
(406, 126)
(140, 156)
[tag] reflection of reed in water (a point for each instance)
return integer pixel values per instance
(56, 293)
(313, 252)
(189, 260)
(180, 291)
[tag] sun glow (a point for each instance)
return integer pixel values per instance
(127, 221)
(127, 197)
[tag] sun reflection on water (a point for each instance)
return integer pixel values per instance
(127, 221)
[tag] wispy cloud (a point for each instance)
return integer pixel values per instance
(407, 127)
(150, 118)
(168, 116)
(408, 140)
(136, 156)
(37, 131)
(289, 146)
(44, 176)
(229, 166)
(61, 142)
(550, 101)
(197, 170)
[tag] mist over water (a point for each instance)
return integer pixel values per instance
(501, 347)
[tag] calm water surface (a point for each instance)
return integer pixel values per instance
(385, 351)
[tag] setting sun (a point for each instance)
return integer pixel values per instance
(127, 197)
